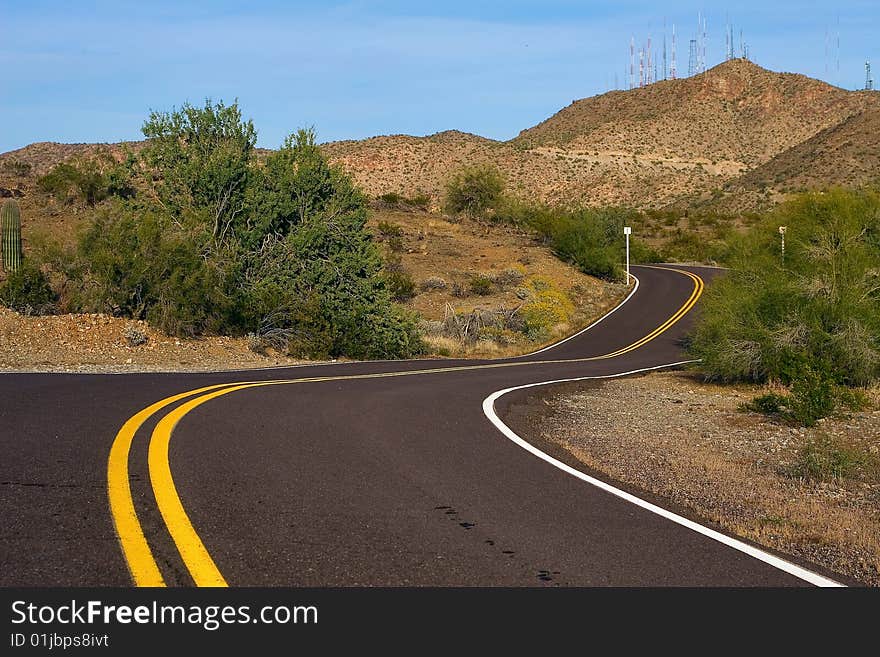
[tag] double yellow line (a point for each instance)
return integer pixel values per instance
(135, 548)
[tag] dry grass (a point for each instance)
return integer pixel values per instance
(732, 468)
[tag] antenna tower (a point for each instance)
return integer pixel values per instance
(672, 69)
(641, 68)
(869, 81)
(728, 41)
(692, 58)
(632, 62)
(664, 50)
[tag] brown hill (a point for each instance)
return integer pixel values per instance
(735, 127)
(648, 147)
(845, 154)
(737, 113)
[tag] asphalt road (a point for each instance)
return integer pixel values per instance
(378, 473)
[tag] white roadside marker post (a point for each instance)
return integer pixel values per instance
(782, 230)
(627, 230)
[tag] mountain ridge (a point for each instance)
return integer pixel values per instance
(734, 127)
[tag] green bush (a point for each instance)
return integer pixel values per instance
(391, 234)
(419, 200)
(818, 311)
(396, 200)
(589, 238)
(770, 403)
(474, 191)
(400, 283)
(91, 179)
(135, 263)
(812, 397)
(391, 198)
(27, 291)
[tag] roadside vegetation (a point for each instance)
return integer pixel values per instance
(809, 321)
(589, 238)
(197, 236)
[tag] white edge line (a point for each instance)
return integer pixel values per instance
(760, 555)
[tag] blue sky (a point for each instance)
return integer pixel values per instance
(91, 71)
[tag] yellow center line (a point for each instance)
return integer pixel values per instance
(141, 563)
(135, 548)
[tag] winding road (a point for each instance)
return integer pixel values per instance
(422, 472)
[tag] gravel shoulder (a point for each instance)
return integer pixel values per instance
(93, 343)
(687, 442)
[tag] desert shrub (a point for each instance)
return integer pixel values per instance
(91, 179)
(499, 335)
(391, 234)
(481, 285)
(433, 283)
(391, 198)
(474, 190)
(27, 291)
(431, 327)
(509, 277)
(690, 246)
(17, 168)
(589, 238)
(220, 243)
(459, 290)
(770, 403)
(255, 343)
(547, 308)
(419, 200)
(134, 337)
(135, 264)
(812, 397)
(389, 229)
(400, 283)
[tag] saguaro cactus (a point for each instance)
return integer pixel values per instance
(10, 235)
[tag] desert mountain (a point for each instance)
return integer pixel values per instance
(844, 154)
(737, 128)
(648, 147)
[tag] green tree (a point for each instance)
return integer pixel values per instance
(200, 160)
(318, 269)
(296, 182)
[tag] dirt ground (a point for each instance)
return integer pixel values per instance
(688, 442)
(98, 343)
(432, 247)
(435, 248)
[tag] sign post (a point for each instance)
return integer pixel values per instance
(627, 230)
(782, 230)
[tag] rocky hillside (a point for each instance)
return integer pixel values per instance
(845, 154)
(666, 143)
(736, 136)
(737, 113)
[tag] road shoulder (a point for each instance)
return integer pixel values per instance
(684, 444)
